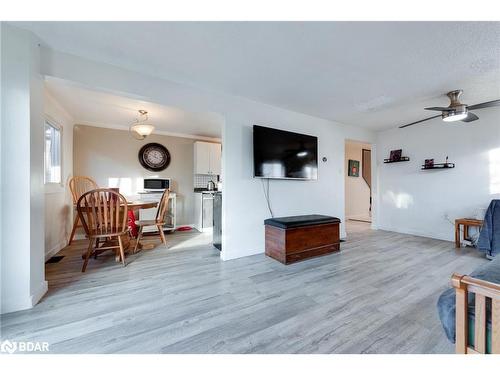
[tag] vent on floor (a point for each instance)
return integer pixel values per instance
(55, 259)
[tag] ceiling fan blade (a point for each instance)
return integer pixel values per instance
(493, 103)
(470, 117)
(438, 109)
(417, 122)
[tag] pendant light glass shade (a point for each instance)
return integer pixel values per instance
(140, 129)
(143, 129)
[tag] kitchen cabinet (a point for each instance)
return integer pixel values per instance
(207, 158)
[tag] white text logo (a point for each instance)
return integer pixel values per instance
(11, 347)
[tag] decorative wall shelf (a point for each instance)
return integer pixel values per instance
(439, 166)
(403, 158)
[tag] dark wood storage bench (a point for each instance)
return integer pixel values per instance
(293, 238)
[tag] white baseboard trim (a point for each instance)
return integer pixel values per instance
(24, 303)
(416, 233)
(225, 256)
(39, 293)
(49, 254)
(15, 304)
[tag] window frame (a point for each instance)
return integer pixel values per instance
(54, 124)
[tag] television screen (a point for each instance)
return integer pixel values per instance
(282, 154)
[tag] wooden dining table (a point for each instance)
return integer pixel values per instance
(137, 205)
(141, 205)
(132, 206)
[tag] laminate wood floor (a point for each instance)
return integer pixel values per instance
(378, 295)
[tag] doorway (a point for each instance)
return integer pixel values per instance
(358, 181)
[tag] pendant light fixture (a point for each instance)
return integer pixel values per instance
(140, 129)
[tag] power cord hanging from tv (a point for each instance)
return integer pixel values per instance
(266, 195)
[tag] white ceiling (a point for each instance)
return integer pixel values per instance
(97, 108)
(372, 74)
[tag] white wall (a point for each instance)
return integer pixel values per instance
(109, 156)
(58, 201)
(415, 201)
(22, 243)
(244, 207)
(357, 191)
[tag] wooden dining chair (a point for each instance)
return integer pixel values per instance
(79, 185)
(103, 213)
(159, 221)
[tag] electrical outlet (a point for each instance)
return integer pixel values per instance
(447, 218)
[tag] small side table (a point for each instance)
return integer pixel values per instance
(466, 223)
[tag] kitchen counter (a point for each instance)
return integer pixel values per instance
(205, 191)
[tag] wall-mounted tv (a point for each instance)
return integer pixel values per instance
(282, 154)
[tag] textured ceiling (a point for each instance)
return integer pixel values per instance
(371, 74)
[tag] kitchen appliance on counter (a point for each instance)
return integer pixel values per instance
(156, 184)
(211, 185)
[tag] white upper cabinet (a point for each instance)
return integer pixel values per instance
(215, 158)
(201, 158)
(207, 158)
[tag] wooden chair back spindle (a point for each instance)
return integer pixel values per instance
(78, 185)
(103, 212)
(162, 207)
(158, 222)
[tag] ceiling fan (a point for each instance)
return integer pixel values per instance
(456, 111)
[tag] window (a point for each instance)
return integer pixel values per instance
(52, 153)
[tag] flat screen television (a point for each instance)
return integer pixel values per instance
(282, 154)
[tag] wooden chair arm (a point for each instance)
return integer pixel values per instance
(464, 285)
(474, 285)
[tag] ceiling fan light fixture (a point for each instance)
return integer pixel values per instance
(456, 111)
(451, 116)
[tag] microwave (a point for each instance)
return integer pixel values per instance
(156, 184)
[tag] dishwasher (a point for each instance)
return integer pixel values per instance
(207, 207)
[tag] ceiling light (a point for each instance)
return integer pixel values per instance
(450, 116)
(143, 129)
(301, 154)
(140, 129)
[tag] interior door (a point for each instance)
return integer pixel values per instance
(366, 171)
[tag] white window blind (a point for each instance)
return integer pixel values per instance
(52, 153)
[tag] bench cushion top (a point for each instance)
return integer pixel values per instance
(300, 221)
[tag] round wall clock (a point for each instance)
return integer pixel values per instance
(154, 157)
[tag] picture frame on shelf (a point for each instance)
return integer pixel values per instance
(395, 155)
